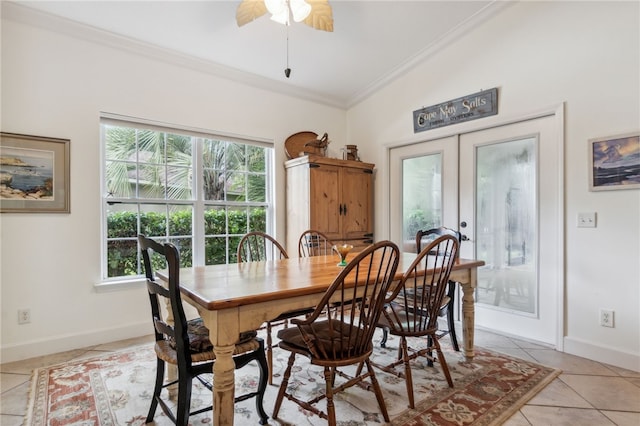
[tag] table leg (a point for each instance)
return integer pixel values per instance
(468, 314)
(223, 339)
(223, 386)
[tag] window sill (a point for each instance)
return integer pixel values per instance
(119, 285)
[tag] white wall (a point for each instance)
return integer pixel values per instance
(587, 56)
(55, 85)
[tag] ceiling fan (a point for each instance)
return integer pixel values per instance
(315, 13)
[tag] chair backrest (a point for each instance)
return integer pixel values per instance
(413, 307)
(351, 306)
(314, 243)
(257, 246)
(425, 237)
(168, 295)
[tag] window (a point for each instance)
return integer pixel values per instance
(199, 191)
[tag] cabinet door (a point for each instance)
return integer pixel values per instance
(357, 203)
(325, 200)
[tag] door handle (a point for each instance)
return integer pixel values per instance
(465, 238)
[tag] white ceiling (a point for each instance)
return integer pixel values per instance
(373, 42)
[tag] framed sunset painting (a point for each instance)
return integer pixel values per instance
(614, 162)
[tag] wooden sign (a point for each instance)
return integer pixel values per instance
(466, 108)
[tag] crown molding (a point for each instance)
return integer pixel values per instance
(430, 50)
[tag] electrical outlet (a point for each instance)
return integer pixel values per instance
(606, 318)
(24, 316)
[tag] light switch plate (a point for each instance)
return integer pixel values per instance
(587, 220)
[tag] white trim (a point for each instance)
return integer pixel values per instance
(62, 343)
(605, 354)
(119, 285)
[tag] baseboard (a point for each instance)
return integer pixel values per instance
(55, 344)
(607, 355)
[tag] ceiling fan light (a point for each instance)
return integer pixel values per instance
(276, 7)
(300, 9)
(281, 17)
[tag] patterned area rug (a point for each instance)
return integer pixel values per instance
(115, 389)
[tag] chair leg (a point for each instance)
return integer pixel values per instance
(377, 391)
(184, 398)
(329, 375)
(262, 385)
(443, 362)
(156, 390)
(450, 322)
(385, 334)
(430, 351)
(283, 385)
(408, 378)
(270, 353)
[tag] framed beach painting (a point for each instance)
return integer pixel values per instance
(614, 162)
(34, 174)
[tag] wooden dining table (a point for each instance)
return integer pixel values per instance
(238, 297)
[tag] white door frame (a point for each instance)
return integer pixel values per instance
(557, 111)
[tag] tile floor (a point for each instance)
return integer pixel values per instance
(586, 393)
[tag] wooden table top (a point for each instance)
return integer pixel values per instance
(216, 287)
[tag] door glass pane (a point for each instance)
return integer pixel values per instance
(421, 196)
(506, 220)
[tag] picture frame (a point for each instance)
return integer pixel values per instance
(614, 162)
(34, 174)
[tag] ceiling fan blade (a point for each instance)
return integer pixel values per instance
(248, 10)
(321, 17)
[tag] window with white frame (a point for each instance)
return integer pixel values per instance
(197, 190)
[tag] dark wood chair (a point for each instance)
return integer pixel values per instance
(257, 246)
(412, 309)
(448, 309)
(185, 343)
(314, 243)
(340, 330)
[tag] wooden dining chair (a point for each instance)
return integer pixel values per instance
(339, 332)
(314, 243)
(412, 309)
(185, 343)
(448, 308)
(257, 246)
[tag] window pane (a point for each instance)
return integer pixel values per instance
(122, 258)
(153, 220)
(180, 220)
(122, 221)
(421, 196)
(215, 250)
(506, 225)
(151, 183)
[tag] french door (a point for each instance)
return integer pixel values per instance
(502, 189)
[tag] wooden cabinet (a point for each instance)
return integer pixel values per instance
(329, 195)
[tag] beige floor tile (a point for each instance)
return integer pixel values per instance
(562, 416)
(624, 372)
(517, 420)
(11, 380)
(622, 418)
(8, 420)
(14, 401)
(605, 393)
(488, 340)
(635, 381)
(570, 364)
(558, 394)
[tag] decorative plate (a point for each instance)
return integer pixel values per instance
(295, 144)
